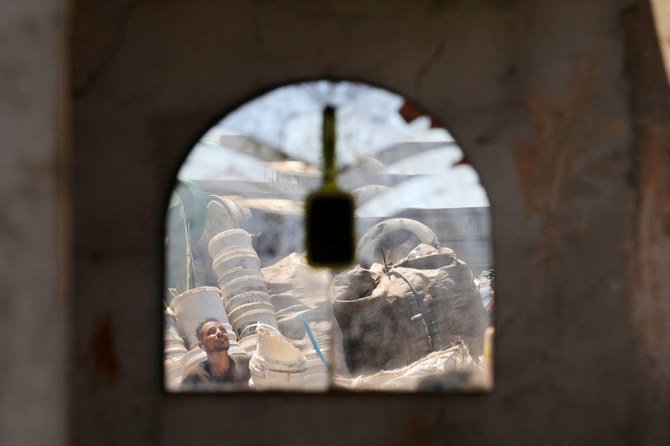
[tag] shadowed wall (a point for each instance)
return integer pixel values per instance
(563, 109)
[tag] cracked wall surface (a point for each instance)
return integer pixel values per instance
(540, 96)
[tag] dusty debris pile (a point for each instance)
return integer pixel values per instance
(392, 316)
(451, 369)
(409, 317)
(300, 295)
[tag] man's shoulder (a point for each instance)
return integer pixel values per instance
(241, 367)
(199, 377)
(196, 373)
(241, 360)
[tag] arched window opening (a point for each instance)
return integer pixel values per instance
(243, 309)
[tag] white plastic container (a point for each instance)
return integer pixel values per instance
(231, 239)
(172, 368)
(276, 363)
(245, 284)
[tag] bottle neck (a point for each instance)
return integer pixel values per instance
(329, 161)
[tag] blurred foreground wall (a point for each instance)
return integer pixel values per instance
(33, 241)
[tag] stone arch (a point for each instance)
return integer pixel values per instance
(251, 170)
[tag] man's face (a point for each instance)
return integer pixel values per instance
(214, 337)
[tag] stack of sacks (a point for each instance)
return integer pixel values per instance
(393, 316)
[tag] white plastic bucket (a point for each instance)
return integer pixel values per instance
(241, 285)
(173, 372)
(276, 363)
(230, 239)
(248, 312)
(248, 344)
(249, 318)
(248, 340)
(234, 265)
(173, 350)
(173, 346)
(235, 253)
(232, 275)
(225, 213)
(248, 309)
(246, 298)
(174, 341)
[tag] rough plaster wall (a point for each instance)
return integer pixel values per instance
(32, 67)
(650, 298)
(538, 93)
(661, 12)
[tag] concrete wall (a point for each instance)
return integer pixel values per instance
(544, 97)
(563, 108)
(33, 242)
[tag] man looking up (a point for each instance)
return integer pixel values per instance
(219, 369)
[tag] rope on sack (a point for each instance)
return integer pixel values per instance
(418, 301)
